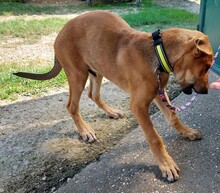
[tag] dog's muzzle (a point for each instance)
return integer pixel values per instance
(202, 91)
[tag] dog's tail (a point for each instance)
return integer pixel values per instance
(46, 76)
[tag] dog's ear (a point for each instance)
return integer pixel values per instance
(202, 47)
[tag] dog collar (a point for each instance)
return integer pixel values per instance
(164, 64)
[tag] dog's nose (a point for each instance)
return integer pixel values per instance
(188, 89)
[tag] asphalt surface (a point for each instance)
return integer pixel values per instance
(130, 168)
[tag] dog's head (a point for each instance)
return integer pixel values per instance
(191, 69)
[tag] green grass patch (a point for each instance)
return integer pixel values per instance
(160, 16)
(13, 8)
(18, 9)
(30, 28)
(12, 86)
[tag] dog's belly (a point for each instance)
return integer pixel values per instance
(115, 76)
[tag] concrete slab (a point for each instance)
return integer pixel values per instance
(130, 168)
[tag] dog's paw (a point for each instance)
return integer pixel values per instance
(88, 135)
(192, 134)
(169, 169)
(115, 114)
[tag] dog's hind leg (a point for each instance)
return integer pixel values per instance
(94, 94)
(77, 78)
(173, 120)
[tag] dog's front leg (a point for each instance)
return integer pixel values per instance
(166, 164)
(173, 120)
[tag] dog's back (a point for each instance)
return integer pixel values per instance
(93, 39)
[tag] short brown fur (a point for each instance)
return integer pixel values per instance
(104, 43)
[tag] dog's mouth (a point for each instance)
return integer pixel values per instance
(188, 90)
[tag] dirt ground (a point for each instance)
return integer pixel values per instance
(39, 147)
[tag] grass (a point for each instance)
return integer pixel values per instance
(146, 18)
(22, 28)
(30, 29)
(18, 9)
(160, 16)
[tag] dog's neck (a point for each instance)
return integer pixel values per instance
(164, 64)
(164, 67)
(177, 43)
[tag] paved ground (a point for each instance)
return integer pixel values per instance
(130, 168)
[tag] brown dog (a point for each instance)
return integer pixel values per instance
(100, 44)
